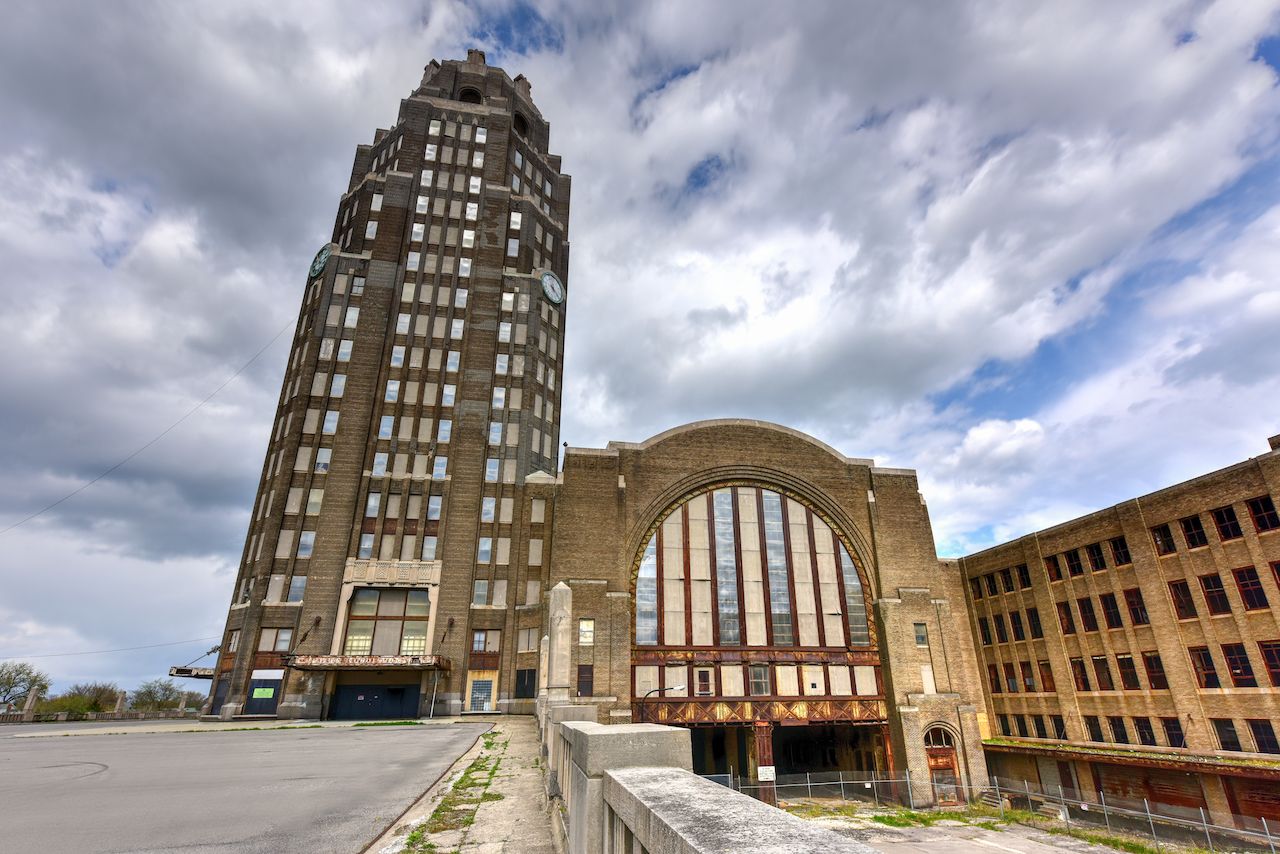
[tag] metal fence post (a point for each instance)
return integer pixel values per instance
(999, 797)
(1066, 810)
(911, 797)
(1204, 822)
(842, 797)
(1267, 831)
(1105, 815)
(1147, 806)
(809, 784)
(875, 790)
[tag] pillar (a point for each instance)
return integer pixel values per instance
(765, 771)
(29, 707)
(560, 615)
(122, 702)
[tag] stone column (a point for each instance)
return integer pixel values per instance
(763, 731)
(560, 613)
(122, 702)
(29, 707)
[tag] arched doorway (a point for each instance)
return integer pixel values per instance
(944, 773)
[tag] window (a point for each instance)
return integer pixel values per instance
(1228, 738)
(1005, 729)
(1079, 675)
(379, 465)
(433, 507)
(451, 361)
(330, 422)
(233, 640)
(1065, 619)
(1250, 587)
(585, 680)
(338, 385)
(344, 350)
(1047, 683)
(526, 684)
(515, 221)
(1119, 733)
(1227, 523)
(1110, 610)
(1033, 622)
(444, 430)
(1120, 552)
(448, 393)
(1001, 635)
(468, 238)
(323, 457)
(480, 592)
(1088, 618)
(1006, 580)
(306, 543)
(488, 508)
(513, 247)
(1271, 658)
(366, 546)
(1194, 533)
(1010, 678)
(1163, 538)
(1173, 734)
(429, 548)
(990, 580)
(1024, 576)
(504, 332)
(402, 323)
(473, 186)
(1263, 511)
(397, 356)
(456, 328)
(1059, 727)
(372, 505)
(484, 550)
(1028, 676)
(984, 629)
(393, 391)
(1094, 728)
(1183, 604)
(1137, 607)
(1238, 665)
(1264, 736)
(386, 426)
(440, 468)
(993, 679)
(1052, 567)
(1074, 566)
(1128, 672)
(371, 229)
(1202, 663)
(1146, 735)
(1037, 721)
(1156, 677)
(1102, 672)
(586, 632)
(759, 675)
(499, 397)
(495, 432)
(387, 622)
(1020, 724)
(1097, 561)
(490, 470)
(473, 210)
(502, 364)
(418, 232)
(275, 640)
(1015, 626)
(315, 498)
(1215, 595)
(482, 135)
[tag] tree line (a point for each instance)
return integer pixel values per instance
(19, 678)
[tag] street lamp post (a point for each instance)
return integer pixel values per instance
(649, 694)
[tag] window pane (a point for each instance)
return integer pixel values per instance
(359, 637)
(418, 604)
(364, 602)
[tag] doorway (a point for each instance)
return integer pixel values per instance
(374, 702)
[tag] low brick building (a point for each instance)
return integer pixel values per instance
(1135, 652)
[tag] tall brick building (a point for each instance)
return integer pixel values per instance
(415, 548)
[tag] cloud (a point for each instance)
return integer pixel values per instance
(1023, 249)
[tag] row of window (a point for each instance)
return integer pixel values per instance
(1016, 626)
(1239, 665)
(1072, 560)
(1262, 510)
(1172, 728)
(1133, 600)
(1006, 575)
(1248, 584)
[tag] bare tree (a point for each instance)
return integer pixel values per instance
(18, 679)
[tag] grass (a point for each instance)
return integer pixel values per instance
(390, 723)
(457, 809)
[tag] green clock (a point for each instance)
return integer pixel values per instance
(322, 258)
(553, 287)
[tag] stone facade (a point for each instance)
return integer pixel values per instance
(1106, 572)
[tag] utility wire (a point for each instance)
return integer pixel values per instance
(192, 411)
(121, 649)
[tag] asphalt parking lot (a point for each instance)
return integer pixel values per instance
(331, 789)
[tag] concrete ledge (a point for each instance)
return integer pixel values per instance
(597, 748)
(675, 812)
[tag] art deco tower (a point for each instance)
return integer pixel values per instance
(393, 566)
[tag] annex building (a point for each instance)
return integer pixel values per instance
(420, 546)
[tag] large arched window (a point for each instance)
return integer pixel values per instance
(938, 737)
(748, 566)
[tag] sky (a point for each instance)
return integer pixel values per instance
(1025, 249)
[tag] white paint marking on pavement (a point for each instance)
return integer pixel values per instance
(991, 844)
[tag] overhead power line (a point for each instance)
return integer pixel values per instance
(104, 651)
(192, 411)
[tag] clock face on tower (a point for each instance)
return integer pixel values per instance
(322, 258)
(553, 287)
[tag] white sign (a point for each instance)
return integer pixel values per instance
(766, 774)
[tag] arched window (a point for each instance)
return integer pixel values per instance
(521, 125)
(938, 737)
(742, 566)
(470, 96)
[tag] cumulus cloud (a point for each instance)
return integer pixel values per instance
(1023, 249)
